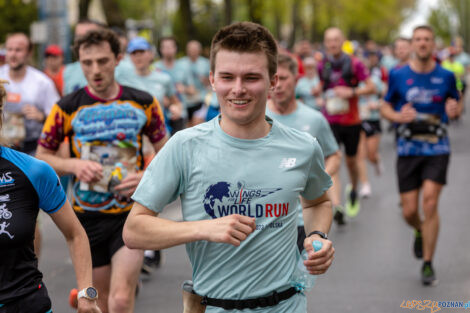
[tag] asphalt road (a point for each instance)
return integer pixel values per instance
(374, 269)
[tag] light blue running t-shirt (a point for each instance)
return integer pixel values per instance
(303, 90)
(199, 70)
(313, 122)
(217, 175)
(74, 78)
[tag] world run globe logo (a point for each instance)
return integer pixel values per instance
(223, 198)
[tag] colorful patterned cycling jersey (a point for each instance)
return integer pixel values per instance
(428, 94)
(26, 184)
(108, 132)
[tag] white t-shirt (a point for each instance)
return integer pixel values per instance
(35, 89)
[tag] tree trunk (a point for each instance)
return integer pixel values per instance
(228, 12)
(277, 26)
(314, 26)
(113, 13)
(253, 11)
(83, 6)
(295, 23)
(187, 20)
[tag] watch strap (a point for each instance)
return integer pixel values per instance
(319, 233)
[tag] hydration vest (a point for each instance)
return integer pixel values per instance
(347, 72)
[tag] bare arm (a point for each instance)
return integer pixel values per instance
(406, 115)
(367, 89)
(175, 107)
(332, 163)
(318, 215)
(77, 241)
(347, 92)
(84, 170)
(145, 230)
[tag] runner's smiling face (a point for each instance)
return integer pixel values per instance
(98, 63)
(241, 81)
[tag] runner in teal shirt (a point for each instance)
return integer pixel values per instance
(308, 87)
(284, 108)
(239, 177)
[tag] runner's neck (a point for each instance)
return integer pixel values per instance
(18, 75)
(255, 129)
(111, 93)
(422, 66)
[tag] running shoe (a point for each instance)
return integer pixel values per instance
(418, 245)
(152, 262)
(365, 191)
(147, 266)
(352, 205)
(428, 277)
(339, 215)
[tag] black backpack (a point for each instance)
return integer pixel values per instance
(347, 72)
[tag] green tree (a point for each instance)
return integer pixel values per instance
(461, 9)
(16, 16)
(440, 21)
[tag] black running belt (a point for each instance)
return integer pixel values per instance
(261, 302)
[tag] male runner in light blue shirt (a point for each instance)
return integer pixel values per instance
(239, 178)
(284, 108)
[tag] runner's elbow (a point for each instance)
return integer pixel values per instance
(130, 236)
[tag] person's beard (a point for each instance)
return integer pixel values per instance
(18, 67)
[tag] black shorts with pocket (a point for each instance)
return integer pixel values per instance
(104, 233)
(347, 135)
(37, 301)
(371, 128)
(413, 170)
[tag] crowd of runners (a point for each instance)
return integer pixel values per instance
(130, 126)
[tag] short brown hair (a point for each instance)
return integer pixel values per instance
(289, 62)
(424, 27)
(245, 37)
(96, 37)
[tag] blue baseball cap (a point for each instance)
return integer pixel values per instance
(138, 43)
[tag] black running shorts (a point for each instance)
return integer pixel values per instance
(104, 232)
(37, 301)
(347, 135)
(413, 170)
(371, 128)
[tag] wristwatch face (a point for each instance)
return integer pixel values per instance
(91, 292)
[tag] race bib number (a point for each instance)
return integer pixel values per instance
(336, 106)
(117, 161)
(13, 97)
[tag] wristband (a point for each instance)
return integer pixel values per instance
(319, 233)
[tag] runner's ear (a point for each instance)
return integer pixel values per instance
(211, 80)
